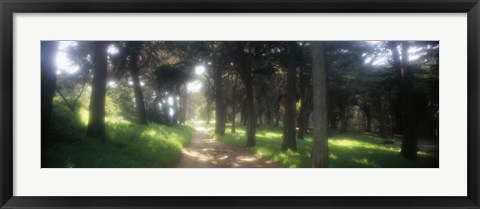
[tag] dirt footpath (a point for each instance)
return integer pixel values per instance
(205, 152)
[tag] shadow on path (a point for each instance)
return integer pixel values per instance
(205, 152)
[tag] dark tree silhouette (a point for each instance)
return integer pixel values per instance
(96, 120)
(48, 86)
(220, 106)
(306, 102)
(246, 67)
(320, 105)
(234, 102)
(134, 48)
(402, 65)
(289, 141)
(182, 89)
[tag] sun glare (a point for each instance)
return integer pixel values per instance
(62, 59)
(112, 49)
(199, 69)
(194, 86)
(170, 100)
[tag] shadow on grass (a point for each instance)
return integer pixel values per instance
(127, 145)
(346, 150)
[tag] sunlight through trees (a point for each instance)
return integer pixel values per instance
(280, 100)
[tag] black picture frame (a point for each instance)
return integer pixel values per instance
(9, 7)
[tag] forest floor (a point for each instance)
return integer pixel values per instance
(127, 144)
(346, 150)
(206, 152)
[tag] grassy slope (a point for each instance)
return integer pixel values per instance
(346, 150)
(128, 145)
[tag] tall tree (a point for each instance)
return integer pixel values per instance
(320, 105)
(402, 65)
(182, 103)
(382, 115)
(132, 56)
(289, 140)
(134, 48)
(49, 79)
(305, 98)
(234, 102)
(220, 106)
(96, 120)
(246, 68)
(208, 110)
(304, 57)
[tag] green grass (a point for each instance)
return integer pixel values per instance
(127, 144)
(346, 150)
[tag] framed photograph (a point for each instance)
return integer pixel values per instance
(239, 104)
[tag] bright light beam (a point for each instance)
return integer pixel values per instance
(194, 87)
(112, 49)
(199, 69)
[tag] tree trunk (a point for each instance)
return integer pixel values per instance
(246, 66)
(209, 111)
(397, 112)
(301, 123)
(220, 107)
(251, 118)
(137, 89)
(304, 110)
(277, 112)
(344, 115)
(48, 85)
(183, 104)
(270, 116)
(96, 120)
(260, 115)
(409, 142)
(320, 106)
(243, 116)
(301, 115)
(383, 128)
(368, 115)
(234, 104)
(289, 141)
